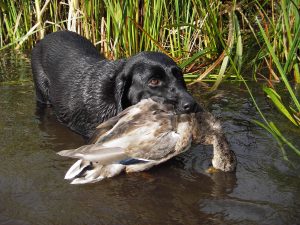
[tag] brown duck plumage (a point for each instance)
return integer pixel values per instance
(145, 135)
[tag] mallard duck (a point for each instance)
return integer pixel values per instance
(142, 136)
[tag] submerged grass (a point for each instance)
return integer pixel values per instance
(211, 40)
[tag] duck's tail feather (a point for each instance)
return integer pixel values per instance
(78, 167)
(97, 173)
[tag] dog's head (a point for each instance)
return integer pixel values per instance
(155, 75)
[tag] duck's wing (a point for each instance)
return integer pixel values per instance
(104, 127)
(152, 147)
(152, 136)
(168, 135)
(132, 115)
(140, 139)
(96, 153)
(145, 138)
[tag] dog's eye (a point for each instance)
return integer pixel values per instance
(154, 82)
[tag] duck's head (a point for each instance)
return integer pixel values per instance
(208, 130)
(225, 161)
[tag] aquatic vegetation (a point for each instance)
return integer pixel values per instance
(281, 41)
(211, 40)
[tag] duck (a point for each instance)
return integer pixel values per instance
(145, 135)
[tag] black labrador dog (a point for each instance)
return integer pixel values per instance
(86, 89)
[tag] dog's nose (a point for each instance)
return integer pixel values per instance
(189, 107)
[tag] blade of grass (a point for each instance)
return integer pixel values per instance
(195, 57)
(278, 103)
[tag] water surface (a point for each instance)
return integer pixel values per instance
(264, 190)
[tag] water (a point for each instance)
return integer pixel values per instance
(264, 190)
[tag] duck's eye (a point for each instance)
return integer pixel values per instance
(154, 82)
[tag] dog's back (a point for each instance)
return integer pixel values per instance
(56, 54)
(70, 75)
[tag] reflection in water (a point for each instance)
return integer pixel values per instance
(264, 190)
(224, 184)
(54, 130)
(14, 66)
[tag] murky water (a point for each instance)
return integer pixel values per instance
(264, 190)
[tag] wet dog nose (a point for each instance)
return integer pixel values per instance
(187, 106)
(190, 107)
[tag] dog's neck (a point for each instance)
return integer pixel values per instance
(108, 92)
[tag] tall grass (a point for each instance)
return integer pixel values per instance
(209, 39)
(281, 41)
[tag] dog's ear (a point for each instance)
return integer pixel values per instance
(123, 81)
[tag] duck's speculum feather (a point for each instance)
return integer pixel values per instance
(132, 161)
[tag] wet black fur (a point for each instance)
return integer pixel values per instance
(86, 89)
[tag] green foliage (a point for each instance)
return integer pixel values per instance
(275, 97)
